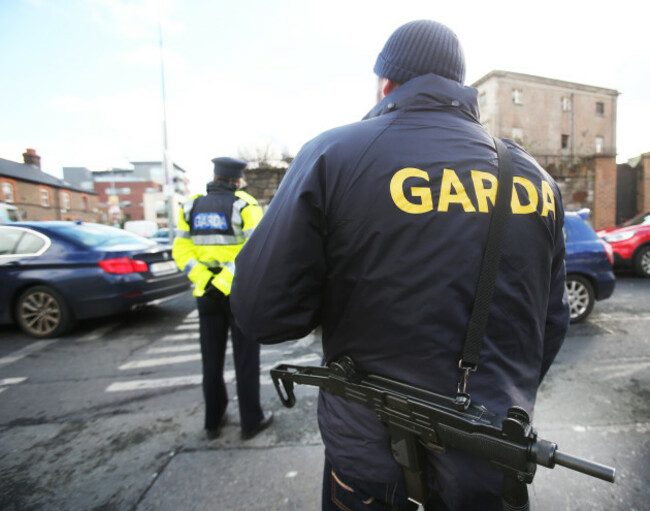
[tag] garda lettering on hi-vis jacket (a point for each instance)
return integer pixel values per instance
(526, 198)
(217, 221)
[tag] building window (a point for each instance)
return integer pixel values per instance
(45, 197)
(565, 141)
(118, 191)
(517, 96)
(65, 201)
(8, 192)
(482, 99)
(600, 108)
(566, 104)
(518, 134)
(600, 143)
(84, 203)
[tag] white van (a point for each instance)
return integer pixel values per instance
(144, 228)
(9, 213)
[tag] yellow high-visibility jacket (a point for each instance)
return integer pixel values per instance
(211, 231)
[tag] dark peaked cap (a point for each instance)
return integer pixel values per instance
(229, 167)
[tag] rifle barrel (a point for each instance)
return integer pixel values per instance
(585, 466)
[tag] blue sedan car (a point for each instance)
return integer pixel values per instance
(54, 273)
(589, 265)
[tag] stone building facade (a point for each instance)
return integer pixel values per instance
(263, 183)
(569, 128)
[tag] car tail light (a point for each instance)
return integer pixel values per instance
(608, 251)
(123, 265)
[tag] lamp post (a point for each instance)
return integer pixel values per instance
(168, 188)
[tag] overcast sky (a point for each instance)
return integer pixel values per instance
(81, 79)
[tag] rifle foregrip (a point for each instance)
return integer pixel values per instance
(590, 468)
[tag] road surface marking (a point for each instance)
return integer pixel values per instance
(174, 349)
(617, 372)
(183, 326)
(22, 353)
(194, 379)
(11, 381)
(100, 332)
(180, 337)
(152, 362)
(157, 383)
(4, 383)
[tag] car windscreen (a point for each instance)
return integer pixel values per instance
(578, 229)
(101, 236)
(637, 220)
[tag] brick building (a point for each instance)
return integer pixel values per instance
(41, 196)
(137, 191)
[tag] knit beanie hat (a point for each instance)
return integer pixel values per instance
(418, 48)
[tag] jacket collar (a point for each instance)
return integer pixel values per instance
(429, 92)
(219, 186)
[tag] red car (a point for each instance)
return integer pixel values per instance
(631, 243)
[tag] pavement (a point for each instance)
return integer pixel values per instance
(279, 478)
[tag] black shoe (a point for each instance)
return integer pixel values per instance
(212, 433)
(266, 421)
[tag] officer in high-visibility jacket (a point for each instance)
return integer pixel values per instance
(211, 231)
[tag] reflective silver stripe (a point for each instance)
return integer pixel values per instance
(180, 233)
(217, 239)
(230, 265)
(248, 232)
(187, 209)
(189, 266)
(236, 219)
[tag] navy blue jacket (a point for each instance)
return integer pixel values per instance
(377, 233)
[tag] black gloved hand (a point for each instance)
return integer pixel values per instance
(212, 292)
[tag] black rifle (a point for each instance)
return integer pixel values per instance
(418, 419)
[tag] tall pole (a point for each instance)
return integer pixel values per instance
(168, 189)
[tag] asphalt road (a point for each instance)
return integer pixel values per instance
(110, 417)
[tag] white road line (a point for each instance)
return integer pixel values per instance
(184, 326)
(174, 349)
(22, 353)
(194, 379)
(12, 381)
(4, 383)
(99, 332)
(180, 337)
(193, 314)
(608, 317)
(152, 362)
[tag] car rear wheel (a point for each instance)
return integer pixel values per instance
(642, 262)
(581, 297)
(42, 312)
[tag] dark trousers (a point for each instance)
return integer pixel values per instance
(466, 490)
(343, 493)
(215, 319)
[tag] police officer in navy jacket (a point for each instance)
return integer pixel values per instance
(377, 233)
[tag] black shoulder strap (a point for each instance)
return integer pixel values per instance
(489, 267)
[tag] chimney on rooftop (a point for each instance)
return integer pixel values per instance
(31, 158)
